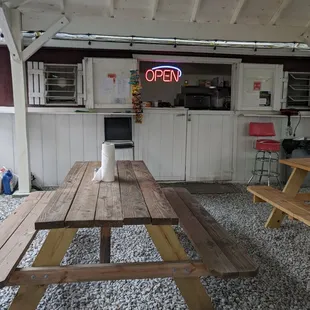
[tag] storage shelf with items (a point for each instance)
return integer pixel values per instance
(297, 90)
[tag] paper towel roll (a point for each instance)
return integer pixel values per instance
(107, 169)
(108, 162)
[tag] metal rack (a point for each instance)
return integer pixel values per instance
(60, 83)
(298, 90)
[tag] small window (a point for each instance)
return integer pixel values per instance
(60, 84)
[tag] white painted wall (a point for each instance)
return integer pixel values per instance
(56, 141)
(161, 142)
(209, 146)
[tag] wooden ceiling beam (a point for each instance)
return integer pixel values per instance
(237, 11)
(111, 8)
(154, 8)
(284, 4)
(6, 28)
(196, 6)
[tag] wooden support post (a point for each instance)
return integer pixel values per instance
(20, 103)
(170, 249)
(291, 189)
(51, 254)
(105, 244)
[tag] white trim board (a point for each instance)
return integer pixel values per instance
(186, 59)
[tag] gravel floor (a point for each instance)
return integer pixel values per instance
(283, 254)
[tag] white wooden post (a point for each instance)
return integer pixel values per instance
(20, 103)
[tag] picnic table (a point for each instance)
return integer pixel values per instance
(288, 202)
(134, 198)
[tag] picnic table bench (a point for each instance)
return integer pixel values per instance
(134, 198)
(289, 201)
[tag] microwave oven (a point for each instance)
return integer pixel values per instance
(197, 102)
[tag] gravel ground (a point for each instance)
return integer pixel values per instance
(283, 255)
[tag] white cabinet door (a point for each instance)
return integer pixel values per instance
(209, 146)
(160, 141)
(254, 83)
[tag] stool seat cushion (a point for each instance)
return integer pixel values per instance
(268, 145)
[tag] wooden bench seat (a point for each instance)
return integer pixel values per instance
(294, 207)
(218, 250)
(17, 232)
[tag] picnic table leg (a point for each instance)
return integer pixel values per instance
(51, 254)
(291, 188)
(105, 245)
(170, 249)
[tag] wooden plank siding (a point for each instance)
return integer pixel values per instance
(68, 134)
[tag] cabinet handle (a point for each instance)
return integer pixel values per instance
(182, 114)
(189, 119)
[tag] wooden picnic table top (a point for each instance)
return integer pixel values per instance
(300, 163)
(134, 198)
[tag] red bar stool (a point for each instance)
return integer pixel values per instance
(267, 151)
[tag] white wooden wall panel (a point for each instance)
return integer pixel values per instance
(57, 141)
(100, 134)
(50, 173)
(160, 141)
(36, 146)
(209, 155)
(7, 141)
(63, 146)
(90, 137)
(76, 138)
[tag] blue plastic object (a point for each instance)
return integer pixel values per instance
(6, 182)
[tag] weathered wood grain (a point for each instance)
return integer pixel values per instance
(83, 208)
(237, 256)
(103, 272)
(170, 249)
(50, 254)
(17, 244)
(11, 223)
(105, 244)
(159, 208)
(212, 255)
(135, 210)
(109, 207)
(55, 212)
(283, 202)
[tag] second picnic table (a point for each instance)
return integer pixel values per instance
(289, 201)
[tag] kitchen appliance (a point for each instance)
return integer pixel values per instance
(197, 102)
(197, 97)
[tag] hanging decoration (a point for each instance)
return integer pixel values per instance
(136, 95)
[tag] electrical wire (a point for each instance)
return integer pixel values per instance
(294, 135)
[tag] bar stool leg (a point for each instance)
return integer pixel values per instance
(269, 167)
(262, 169)
(253, 171)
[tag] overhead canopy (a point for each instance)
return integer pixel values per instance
(242, 20)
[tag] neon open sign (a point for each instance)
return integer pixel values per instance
(166, 74)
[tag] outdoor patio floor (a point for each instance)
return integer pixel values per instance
(283, 255)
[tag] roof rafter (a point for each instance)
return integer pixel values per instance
(195, 9)
(14, 4)
(237, 11)
(5, 25)
(111, 8)
(46, 36)
(284, 4)
(154, 8)
(62, 5)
